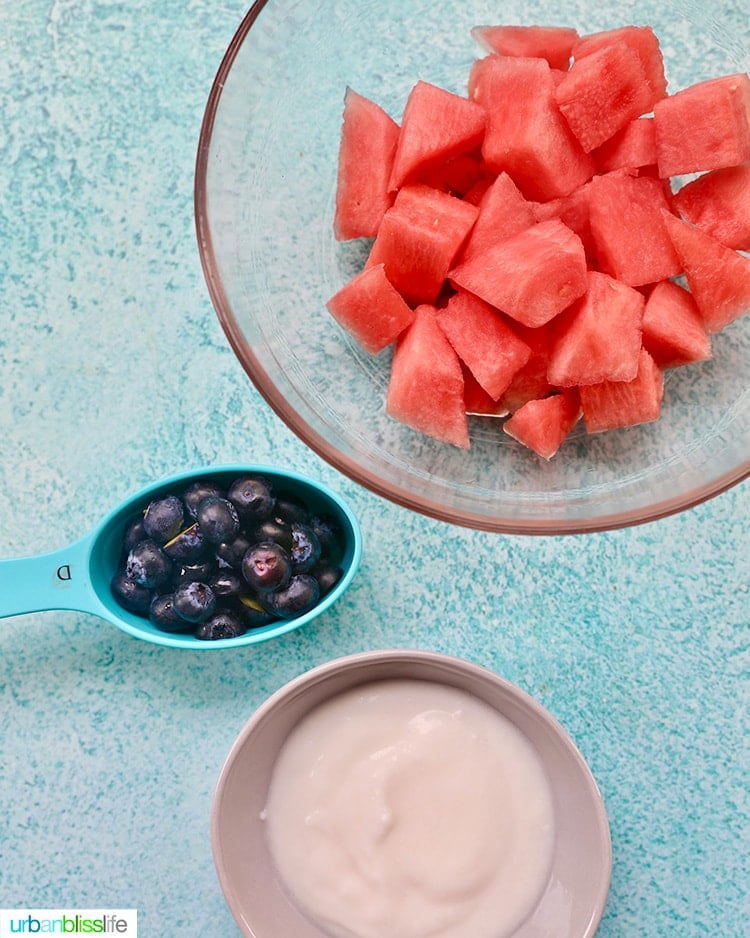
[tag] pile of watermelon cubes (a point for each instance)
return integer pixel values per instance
(536, 255)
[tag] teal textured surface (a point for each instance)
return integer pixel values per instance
(114, 372)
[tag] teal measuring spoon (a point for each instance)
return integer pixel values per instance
(77, 577)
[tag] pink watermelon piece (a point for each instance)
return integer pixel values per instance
(532, 276)
(633, 147)
(673, 330)
(599, 337)
(573, 211)
(614, 404)
(503, 212)
(627, 226)
(436, 126)
(371, 309)
(705, 126)
(602, 92)
(542, 425)
(643, 41)
(418, 239)
(526, 135)
(477, 402)
(530, 381)
(718, 277)
(483, 341)
(366, 150)
(426, 384)
(457, 176)
(719, 203)
(553, 43)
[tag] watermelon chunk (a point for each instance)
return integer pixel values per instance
(418, 239)
(703, 127)
(602, 92)
(553, 43)
(530, 381)
(542, 425)
(532, 276)
(614, 404)
(526, 135)
(599, 337)
(633, 147)
(627, 226)
(673, 330)
(572, 210)
(503, 212)
(643, 41)
(457, 176)
(719, 203)
(477, 402)
(366, 151)
(483, 341)
(426, 384)
(371, 309)
(718, 277)
(436, 126)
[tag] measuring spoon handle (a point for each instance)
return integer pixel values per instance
(56, 580)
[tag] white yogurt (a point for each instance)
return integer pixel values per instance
(407, 809)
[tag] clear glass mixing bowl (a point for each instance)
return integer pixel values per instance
(265, 188)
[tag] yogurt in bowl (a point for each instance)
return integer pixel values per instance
(413, 794)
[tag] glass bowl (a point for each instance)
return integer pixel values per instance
(265, 194)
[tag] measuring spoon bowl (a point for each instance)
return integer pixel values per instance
(78, 577)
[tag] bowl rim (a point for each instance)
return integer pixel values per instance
(360, 663)
(390, 491)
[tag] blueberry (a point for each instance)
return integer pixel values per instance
(148, 565)
(200, 572)
(163, 518)
(218, 519)
(134, 532)
(223, 624)
(299, 596)
(290, 508)
(195, 493)
(232, 552)
(275, 529)
(129, 594)
(227, 583)
(266, 566)
(327, 575)
(188, 546)
(252, 496)
(252, 613)
(194, 602)
(306, 550)
(330, 536)
(164, 616)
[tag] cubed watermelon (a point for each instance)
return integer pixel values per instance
(572, 210)
(542, 425)
(366, 151)
(503, 212)
(599, 337)
(614, 404)
(718, 277)
(371, 309)
(643, 41)
(532, 276)
(673, 330)
(418, 239)
(719, 203)
(484, 342)
(426, 384)
(602, 92)
(526, 135)
(627, 226)
(553, 43)
(530, 381)
(459, 175)
(705, 126)
(436, 126)
(477, 402)
(633, 147)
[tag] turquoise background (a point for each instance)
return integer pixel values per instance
(114, 371)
